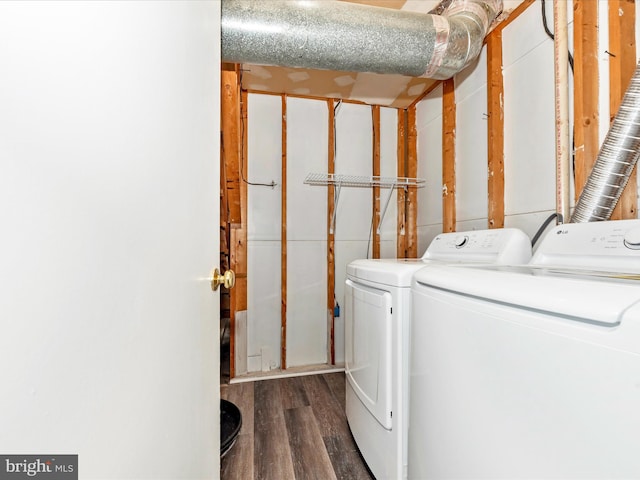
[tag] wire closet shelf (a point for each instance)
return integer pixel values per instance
(340, 180)
(362, 180)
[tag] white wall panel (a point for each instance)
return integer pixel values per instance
(354, 157)
(529, 223)
(430, 107)
(469, 225)
(388, 249)
(525, 34)
(264, 145)
(338, 338)
(306, 153)
(471, 158)
(429, 127)
(263, 300)
(426, 234)
(306, 303)
(388, 168)
(529, 128)
(472, 78)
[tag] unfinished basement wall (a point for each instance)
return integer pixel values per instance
(264, 133)
(529, 136)
(429, 130)
(306, 255)
(353, 231)
(306, 224)
(529, 128)
(529, 122)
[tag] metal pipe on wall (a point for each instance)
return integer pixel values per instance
(563, 138)
(617, 157)
(334, 35)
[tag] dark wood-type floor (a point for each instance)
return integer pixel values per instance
(293, 428)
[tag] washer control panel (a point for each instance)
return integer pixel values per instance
(632, 239)
(612, 245)
(506, 245)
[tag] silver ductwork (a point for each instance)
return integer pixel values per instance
(615, 162)
(334, 35)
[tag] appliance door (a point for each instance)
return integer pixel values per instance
(368, 347)
(504, 392)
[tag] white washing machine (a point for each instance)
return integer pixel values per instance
(530, 371)
(377, 305)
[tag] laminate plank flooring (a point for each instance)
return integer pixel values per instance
(293, 429)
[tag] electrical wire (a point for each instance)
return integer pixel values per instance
(256, 184)
(544, 225)
(549, 32)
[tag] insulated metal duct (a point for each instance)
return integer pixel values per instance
(615, 162)
(333, 35)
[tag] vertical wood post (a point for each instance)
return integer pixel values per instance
(401, 247)
(375, 236)
(411, 217)
(331, 267)
(231, 138)
(448, 156)
(622, 64)
(495, 130)
(586, 90)
(283, 240)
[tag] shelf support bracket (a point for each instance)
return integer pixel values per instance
(336, 197)
(384, 210)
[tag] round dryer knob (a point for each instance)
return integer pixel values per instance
(632, 239)
(461, 241)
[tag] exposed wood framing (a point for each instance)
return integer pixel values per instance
(308, 97)
(401, 248)
(283, 241)
(375, 114)
(585, 97)
(230, 105)
(331, 265)
(427, 91)
(622, 64)
(411, 216)
(495, 129)
(238, 242)
(515, 13)
(448, 156)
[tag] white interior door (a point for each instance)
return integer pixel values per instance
(109, 179)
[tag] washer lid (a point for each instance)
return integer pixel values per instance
(588, 296)
(392, 272)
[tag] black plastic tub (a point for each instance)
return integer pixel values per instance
(230, 423)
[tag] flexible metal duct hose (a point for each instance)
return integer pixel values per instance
(615, 162)
(332, 35)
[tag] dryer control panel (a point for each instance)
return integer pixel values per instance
(505, 245)
(612, 246)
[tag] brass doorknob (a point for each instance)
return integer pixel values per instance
(228, 279)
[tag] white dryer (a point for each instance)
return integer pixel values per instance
(530, 371)
(377, 303)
